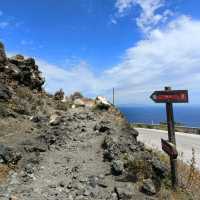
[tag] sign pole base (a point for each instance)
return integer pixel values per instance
(174, 177)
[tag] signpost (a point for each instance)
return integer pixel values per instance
(169, 96)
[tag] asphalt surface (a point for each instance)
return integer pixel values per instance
(185, 143)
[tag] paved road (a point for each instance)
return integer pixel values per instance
(185, 142)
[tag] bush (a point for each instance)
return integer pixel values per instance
(27, 102)
(24, 93)
(188, 175)
(139, 167)
(59, 95)
(20, 106)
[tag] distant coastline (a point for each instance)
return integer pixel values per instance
(186, 115)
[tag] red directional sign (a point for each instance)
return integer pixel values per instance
(169, 148)
(172, 96)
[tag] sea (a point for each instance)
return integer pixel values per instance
(187, 115)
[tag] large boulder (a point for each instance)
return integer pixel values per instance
(27, 72)
(20, 70)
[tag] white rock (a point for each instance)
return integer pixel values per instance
(102, 102)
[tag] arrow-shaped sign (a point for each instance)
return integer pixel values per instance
(169, 148)
(172, 96)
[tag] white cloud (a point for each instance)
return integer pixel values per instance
(77, 78)
(123, 5)
(168, 56)
(149, 16)
(4, 25)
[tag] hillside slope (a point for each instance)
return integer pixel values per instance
(76, 149)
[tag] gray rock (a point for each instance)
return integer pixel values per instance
(36, 148)
(101, 128)
(39, 118)
(125, 192)
(160, 169)
(29, 168)
(93, 181)
(9, 155)
(148, 187)
(56, 121)
(117, 167)
(113, 196)
(5, 92)
(111, 148)
(62, 184)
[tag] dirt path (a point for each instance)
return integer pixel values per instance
(65, 160)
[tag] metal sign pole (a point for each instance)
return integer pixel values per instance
(172, 139)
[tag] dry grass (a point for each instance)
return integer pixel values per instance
(139, 167)
(189, 179)
(28, 102)
(62, 105)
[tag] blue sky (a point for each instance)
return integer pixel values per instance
(135, 46)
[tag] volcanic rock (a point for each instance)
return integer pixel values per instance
(5, 92)
(148, 187)
(8, 155)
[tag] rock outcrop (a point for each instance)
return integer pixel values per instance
(18, 70)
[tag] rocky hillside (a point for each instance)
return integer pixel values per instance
(68, 148)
